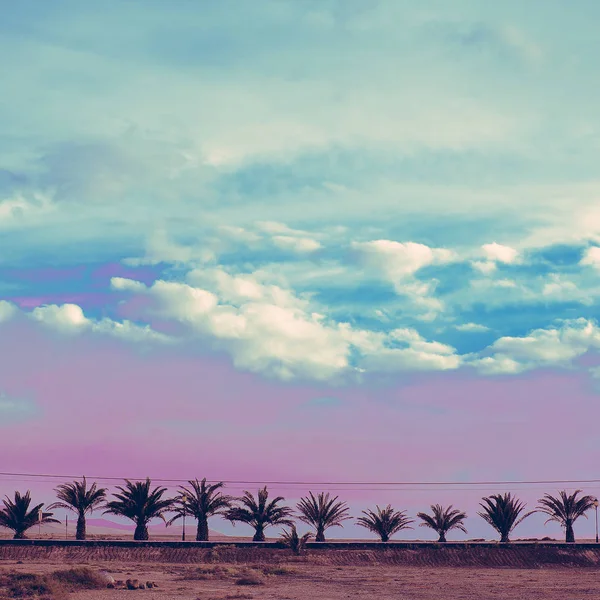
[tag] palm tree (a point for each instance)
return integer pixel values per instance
(503, 513)
(259, 513)
(201, 501)
(385, 522)
(566, 510)
(443, 520)
(296, 543)
(322, 513)
(77, 498)
(16, 515)
(136, 502)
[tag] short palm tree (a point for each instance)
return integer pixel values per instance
(443, 520)
(566, 510)
(77, 498)
(201, 501)
(260, 513)
(385, 522)
(322, 512)
(140, 504)
(296, 543)
(17, 516)
(503, 513)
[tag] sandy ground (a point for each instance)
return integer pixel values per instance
(299, 580)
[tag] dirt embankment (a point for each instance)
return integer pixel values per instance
(515, 556)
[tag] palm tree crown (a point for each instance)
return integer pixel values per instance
(201, 501)
(140, 504)
(16, 515)
(503, 513)
(385, 522)
(296, 543)
(443, 520)
(566, 509)
(260, 513)
(77, 498)
(322, 512)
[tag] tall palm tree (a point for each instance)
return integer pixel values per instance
(566, 510)
(17, 516)
(385, 522)
(443, 520)
(140, 504)
(77, 498)
(201, 501)
(260, 513)
(322, 512)
(503, 513)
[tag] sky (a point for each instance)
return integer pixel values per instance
(322, 241)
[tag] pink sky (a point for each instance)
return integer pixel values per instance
(107, 409)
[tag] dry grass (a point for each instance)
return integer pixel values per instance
(54, 586)
(250, 579)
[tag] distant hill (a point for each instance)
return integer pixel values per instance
(105, 528)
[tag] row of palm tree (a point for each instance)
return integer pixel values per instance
(141, 503)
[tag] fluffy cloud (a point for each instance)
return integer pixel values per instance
(7, 310)
(499, 253)
(397, 260)
(591, 257)
(296, 244)
(21, 210)
(474, 327)
(541, 348)
(67, 317)
(268, 329)
(70, 319)
(495, 253)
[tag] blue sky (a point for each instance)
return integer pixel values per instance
(328, 195)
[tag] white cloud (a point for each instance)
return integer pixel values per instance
(559, 289)
(591, 257)
(159, 248)
(485, 266)
(406, 350)
(66, 317)
(70, 318)
(499, 253)
(540, 348)
(296, 244)
(7, 310)
(268, 329)
(20, 209)
(126, 285)
(474, 327)
(397, 260)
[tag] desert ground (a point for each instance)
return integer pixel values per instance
(278, 575)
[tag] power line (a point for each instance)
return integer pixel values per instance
(359, 485)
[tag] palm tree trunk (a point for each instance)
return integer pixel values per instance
(80, 532)
(320, 537)
(442, 536)
(570, 534)
(385, 537)
(202, 531)
(19, 535)
(259, 535)
(504, 537)
(141, 532)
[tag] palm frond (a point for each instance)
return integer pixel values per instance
(384, 522)
(443, 520)
(17, 516)
(503, 513)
